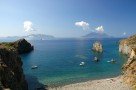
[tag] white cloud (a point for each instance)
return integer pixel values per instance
(82, 24)
(124, 33)
(100, 29)
(28, 26)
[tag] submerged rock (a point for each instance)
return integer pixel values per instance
(96, 59)
(128, 47)
(97, 46)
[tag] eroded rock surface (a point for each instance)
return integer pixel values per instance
(128, 47)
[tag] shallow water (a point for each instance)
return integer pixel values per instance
(58, 61)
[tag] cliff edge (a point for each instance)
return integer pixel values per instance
(11, 72)
(23, 46)
(128, 47)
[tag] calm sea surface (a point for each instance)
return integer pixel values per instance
(58, 61)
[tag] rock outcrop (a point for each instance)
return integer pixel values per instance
(23, 46)
(128, 47)
(97, 46)
(11, 72)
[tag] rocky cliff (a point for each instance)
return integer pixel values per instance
(128, 47)
(21, 46)
(11, 72)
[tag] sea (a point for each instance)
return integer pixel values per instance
(58, 61)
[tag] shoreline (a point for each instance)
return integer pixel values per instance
(115, 83)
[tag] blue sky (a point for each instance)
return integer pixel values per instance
(67, 18)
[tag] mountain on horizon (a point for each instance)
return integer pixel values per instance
(97, 35)
(29, 37)
(38, 37)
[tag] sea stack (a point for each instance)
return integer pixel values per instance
(128, 47)
(97, 47)
(11, 72)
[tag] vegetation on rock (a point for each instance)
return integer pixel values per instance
(22, 46)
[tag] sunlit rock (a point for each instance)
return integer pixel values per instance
(97, 46)
(128, 47)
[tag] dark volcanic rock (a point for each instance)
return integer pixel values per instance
(23, 46)
(11, 72)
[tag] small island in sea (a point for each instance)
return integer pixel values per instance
(67, 45)
(97, 46)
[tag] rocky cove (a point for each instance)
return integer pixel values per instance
(11, 72)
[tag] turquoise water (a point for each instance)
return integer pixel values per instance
(58, 61)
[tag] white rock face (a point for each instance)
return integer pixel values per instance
(125, 49)
(97, 46)
(128, 47)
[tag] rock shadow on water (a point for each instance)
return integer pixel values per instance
(34, 84)
(98, 55)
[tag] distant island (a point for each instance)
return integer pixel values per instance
(97, 35)
(29, 37)
(38, 37)
(91, 35)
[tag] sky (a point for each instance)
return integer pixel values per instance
(67, 18)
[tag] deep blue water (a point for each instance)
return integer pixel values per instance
(58, 61)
